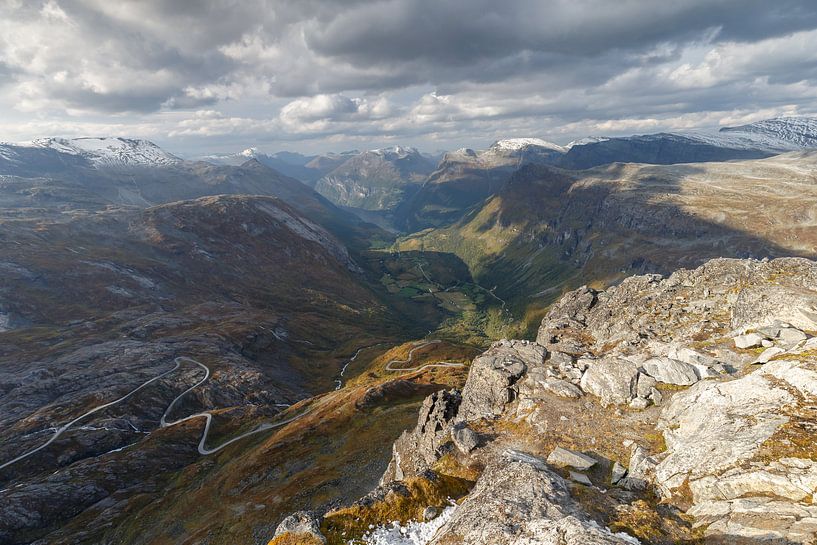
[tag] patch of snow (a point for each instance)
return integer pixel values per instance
(515, 144)
(587, 140)
(5, 322)
(413, 533)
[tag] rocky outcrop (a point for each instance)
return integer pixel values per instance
(416, 450)
(650, 365)
(734, 443)
(518, 500)
(301, 527)
(492, 379)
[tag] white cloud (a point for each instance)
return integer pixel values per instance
(458, 72)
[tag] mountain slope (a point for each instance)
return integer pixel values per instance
(753, 141)
(549, 227)
(98, 303)
(289, 164)
(59, 174)
(376, 179)
(466, 177)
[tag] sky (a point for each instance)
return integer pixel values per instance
(209, 76)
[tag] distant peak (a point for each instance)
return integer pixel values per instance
(108, 151)
(400, 151)
(249, 152)
(515, 144)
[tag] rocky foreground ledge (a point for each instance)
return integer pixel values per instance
(661, 410)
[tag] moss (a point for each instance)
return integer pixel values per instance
(656, 441)
(295, 539)
(795, 438)
(449, 465)
(351, 523)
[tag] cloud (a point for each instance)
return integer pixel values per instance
(458, 71)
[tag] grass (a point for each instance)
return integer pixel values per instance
(351, 523)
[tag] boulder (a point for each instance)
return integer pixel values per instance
(790, 335)
(465, 439)
(670, 371)
(768, 354)
(618, 473)
(613, 380)
(641, 470)
(690, 356)
(645, 385)
(716, 433)
(301, 524)
(491, 383)
(639, 403)
(580, 478)
(750, 340)
(536, 384)
(562, 457)
(518, 500)
(563, 388)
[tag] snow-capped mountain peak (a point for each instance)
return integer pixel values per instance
(249, 152)
(399, 151)
(110, 151)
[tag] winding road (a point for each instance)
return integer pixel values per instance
(266, 426)
(417, 346)
(164, 423)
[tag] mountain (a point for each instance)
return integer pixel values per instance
(548, 228)
(287, 163)
(89, 172)
(55, 155)
(753, 141)
(659, 149)
(377, 179)
(99, 303)
(465, 177)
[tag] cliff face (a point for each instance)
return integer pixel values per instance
(664, 409)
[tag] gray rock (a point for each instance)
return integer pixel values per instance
(639, 403)
(430, 513)
(580, 478)
(416, 450)
(491, 381)
(519, 501)
(562, 457)
(645, 385)
(670, 371)
(791, 335)
(560, 359)
(750, 340)
(692, 357)
(301, 522)
(768, 354)
(641, 470)
(465, 439)
(563, 388)
(716, 425)
(613, 380)
(618, 473)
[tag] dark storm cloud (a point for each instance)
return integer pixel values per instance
(464, 31)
